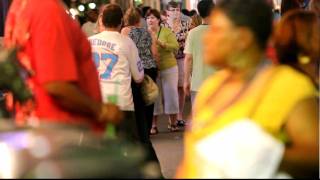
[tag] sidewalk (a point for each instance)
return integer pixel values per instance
(169, 145)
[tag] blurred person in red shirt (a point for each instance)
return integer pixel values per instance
(57, 56)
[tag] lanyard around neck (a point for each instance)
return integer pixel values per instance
(159, 32)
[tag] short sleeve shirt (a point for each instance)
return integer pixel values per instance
(55, 50)
(117, 61)
(194, 46)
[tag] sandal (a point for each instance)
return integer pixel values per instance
(154, 130)
(173, 128)
(181, 123)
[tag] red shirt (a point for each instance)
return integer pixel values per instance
(55, 49)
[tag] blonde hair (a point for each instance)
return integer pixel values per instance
(131, 17)
(196, 20)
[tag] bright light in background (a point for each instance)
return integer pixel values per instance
(81, 8)
(7, 162)
(73, 12)
(92, 5)
(40, 147)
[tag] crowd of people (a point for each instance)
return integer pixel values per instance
(235, 59)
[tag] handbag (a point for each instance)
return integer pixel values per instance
(149, 90)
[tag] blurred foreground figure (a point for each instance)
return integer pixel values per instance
(250, 113)
(57, 56)
(297, 42)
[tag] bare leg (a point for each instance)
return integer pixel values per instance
(154, 129)
(154, 121)
(172, 122)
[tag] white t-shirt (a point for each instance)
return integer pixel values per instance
(117, 60)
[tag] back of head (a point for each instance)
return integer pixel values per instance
(131, 17)
(112, 16)
(256, 15)
(196, 20)
(92, 15)
(298, 34)
(204, 8)
(145, 9)
(139, 11)
(185, 12)
(193, 12)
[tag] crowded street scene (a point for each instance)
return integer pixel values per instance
(159, 89)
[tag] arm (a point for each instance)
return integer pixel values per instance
(135, 63)
(58, 74)
(188, 61)
(70, 97)
(187, 73)
(301, 158)
(170, 43)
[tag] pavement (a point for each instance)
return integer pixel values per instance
(169, 145)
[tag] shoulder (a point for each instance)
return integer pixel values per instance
(96, 36)
(208, 87)
(142, 30)
(211, 82)
(214, 78)
(50, 11)
(297, 81)
(199, 29)
(37, 3)
(45, 8)
(293, 78)
(193, 32)
(166, 30)
(289, 86)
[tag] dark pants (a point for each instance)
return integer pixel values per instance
(143, 116)
(127, 128)
(149, 109)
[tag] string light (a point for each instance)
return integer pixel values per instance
(92, 5)
(81, 8)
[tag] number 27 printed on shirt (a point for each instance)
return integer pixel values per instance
(109, 60)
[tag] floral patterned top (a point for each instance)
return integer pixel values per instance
(143, 41)
(181, 36)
